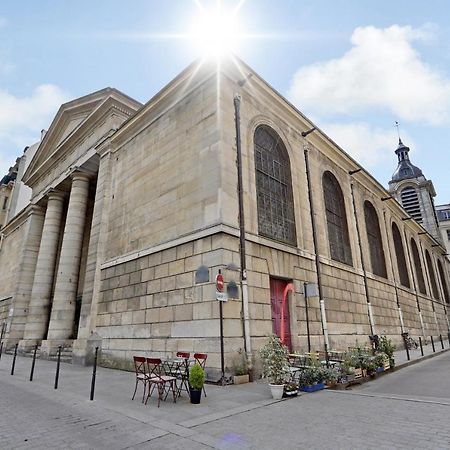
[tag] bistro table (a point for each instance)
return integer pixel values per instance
(179, 368)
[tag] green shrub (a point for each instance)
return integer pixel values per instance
(274, 357)
(386, 346)
(196, 377)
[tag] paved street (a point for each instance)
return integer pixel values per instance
(406, 409)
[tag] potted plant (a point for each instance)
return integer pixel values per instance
(274, 358)
(386, 346)
(196, 382)
(331, 376)
(311, 379)
(240, 371)
(290, 389)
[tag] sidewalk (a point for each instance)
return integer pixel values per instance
(401, 359)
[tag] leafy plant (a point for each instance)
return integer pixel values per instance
(380, 359)
(241, 364)
(312, 375)
(196, 377)
(274, 357)
(388, 347)
(290, 387)
(359, 358)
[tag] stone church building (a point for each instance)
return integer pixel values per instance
(135, 208)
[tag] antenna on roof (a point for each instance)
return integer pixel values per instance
(397, 125)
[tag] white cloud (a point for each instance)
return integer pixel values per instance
(382, 70)
(22, 118)
(369, 146)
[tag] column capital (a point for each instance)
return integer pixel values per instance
(55, 194)
(80, 174)
(37, 210)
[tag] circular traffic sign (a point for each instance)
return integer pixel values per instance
(219, 282)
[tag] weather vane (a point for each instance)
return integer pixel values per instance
(397, 125)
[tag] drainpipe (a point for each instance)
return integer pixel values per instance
(415, 286)
(430, 288)
(314, 233)
(363, 266)
(244, 284)
(400, 313)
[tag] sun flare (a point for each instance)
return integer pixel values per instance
(216, 32)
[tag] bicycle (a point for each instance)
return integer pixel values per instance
(410, 343)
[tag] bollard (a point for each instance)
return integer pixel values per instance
(1, 347)
(327, 359)
(442, 342)
(421, 346)
(94, 374)
(33, 363)
(432, 344)
(14, 360)
(448, 342)
(407, 350)
(57, 368)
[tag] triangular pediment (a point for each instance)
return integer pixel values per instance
(71, 120)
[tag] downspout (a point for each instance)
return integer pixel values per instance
(244, 284)
(317, 260)
(363, 266)
(400, 313)
(414, 285)
(430, 288)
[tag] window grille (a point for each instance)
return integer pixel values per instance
(374, 239)
(432, 275)
(418, 267)
(338, 237)
(410, 201)
(400, 254)
(274, 187)
(444, 281)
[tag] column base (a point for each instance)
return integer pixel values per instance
(27, 345)
(49, 348)
(84, 350)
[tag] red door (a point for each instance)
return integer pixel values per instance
(276, 299)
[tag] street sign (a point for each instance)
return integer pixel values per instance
(311, 290)
(219, 282)
(221, 296)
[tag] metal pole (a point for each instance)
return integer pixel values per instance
(33, 363)
(1, 348)
(421, 346)
(442, 342)
(94, 374)
(406, 348)
(57, 368)
(222, 361)
(242, 252)
(316, 250)
(14, 360)
(307, 318)
(448, 334)
(432, 344)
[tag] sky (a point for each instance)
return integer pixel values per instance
(353, 67)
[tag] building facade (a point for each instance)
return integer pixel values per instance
(135, 209)
(443, 215)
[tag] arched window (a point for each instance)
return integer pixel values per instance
(400, 253)
(274, 187)
(410, 201)
(374, 239)
(336, 219)
(444, 281)
(432, 275)
(418, 267)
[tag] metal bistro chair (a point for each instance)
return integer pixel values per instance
(183, 372)
(160, 380)
(200, 358)
(141, 372)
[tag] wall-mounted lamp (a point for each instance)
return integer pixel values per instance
(352, 172)
(305, 133)
(436, 245)
(383, 199)
(422, 232)
(406, 218)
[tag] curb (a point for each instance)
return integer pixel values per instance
(418, 360)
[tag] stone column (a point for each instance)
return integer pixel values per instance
(24, 277)
(63, 307)
(37, 319)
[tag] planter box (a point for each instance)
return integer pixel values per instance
(380, 369)
(313, 387)
(290, 394)
(240, 379)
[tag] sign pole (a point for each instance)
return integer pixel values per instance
(221, 298)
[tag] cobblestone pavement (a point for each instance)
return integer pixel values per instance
(407, 409)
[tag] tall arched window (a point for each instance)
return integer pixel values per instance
(432, 275)
(336, 219)
(374, 238)
(274, 187)
(418, 267)
(443, 281)
(400, 253)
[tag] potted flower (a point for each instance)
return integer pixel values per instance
(196, 382)
(386, 346)
(311, 379)
(274, 357)
(290, 389)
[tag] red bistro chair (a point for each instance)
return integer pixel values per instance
(141, 372)
(160, 381)
(200, 358)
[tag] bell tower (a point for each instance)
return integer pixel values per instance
(414, 192)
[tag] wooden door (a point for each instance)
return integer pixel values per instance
(277, 287)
